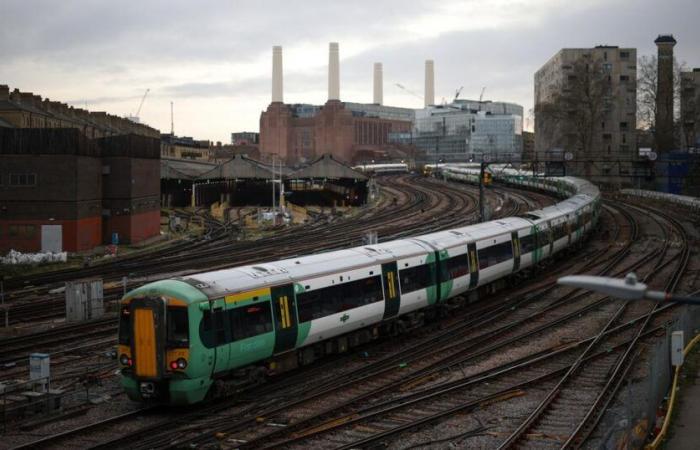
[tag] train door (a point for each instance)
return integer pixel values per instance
(392, 296)
(550, 236)
(537, 251)
(148, 336)
(285, 311)
(221, 329)
(516, 250)
(473, 266)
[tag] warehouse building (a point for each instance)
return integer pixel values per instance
(71, 180)
(50, 190)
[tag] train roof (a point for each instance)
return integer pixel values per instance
(239, 279)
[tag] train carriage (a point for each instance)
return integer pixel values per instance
(179, 337)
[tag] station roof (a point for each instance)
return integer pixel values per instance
(184, 169)
(240, 167)
(327, 167)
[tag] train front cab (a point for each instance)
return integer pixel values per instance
(155, 352)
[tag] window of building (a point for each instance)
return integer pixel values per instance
(251, 320)
(607, 67)
(22, 179)
(455, 267)
(602, 125)
(415, 278)
(624, 78)
(21, 231)
(495, 254)
(623, 125)
(624, 55)
(334, 299)
(624, 138)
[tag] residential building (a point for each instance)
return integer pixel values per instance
(600, 136)
(690, 109)
(245, 138)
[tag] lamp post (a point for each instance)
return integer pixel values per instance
(628, 288)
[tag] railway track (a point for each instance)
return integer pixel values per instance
(408, 388)
(388, 371)
(284, 424)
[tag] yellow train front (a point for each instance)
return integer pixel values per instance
(160, 359)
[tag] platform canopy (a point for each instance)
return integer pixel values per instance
(241, 167)
(326, 167)
(183, 169)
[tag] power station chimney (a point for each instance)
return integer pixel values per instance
(333, 72)
(378, 84)
(277, 92)
(429, 82)
(664, 93)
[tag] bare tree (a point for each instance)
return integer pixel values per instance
(647, 71)
(571, 116)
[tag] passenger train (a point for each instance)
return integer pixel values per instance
(182, 339)
(382, 168)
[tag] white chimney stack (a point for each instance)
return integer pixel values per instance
(333, 72)
(277, 92)
(378, 84)
(429, 83)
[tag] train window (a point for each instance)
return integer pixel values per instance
(125, 326)
(206, 330)
(559, 231)
(455, 267)
(220, 326)
(415, 278)
(528, 243)
(178, 328)
(251, 320)
(495, 254)
(334, 299)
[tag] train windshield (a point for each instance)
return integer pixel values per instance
(125, 326)
(178, 327)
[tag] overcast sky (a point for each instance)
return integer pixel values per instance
(213, 58)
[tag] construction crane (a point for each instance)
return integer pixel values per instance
(457, 92)
(143, 99)
(401, 86)
(482, 93)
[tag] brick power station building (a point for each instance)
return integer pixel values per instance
(71, 179)
(302, 132)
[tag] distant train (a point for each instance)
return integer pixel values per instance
(182, 339)
(382, 168)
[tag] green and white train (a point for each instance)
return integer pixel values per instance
(182, 338)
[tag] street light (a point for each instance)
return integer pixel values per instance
(628, 288)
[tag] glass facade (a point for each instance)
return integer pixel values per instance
(466, 130)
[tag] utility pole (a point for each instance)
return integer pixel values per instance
(273, 183)
(482, 209)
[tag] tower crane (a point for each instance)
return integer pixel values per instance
(482, 93)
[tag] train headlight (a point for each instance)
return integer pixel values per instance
(181, 363)
(123, 359)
